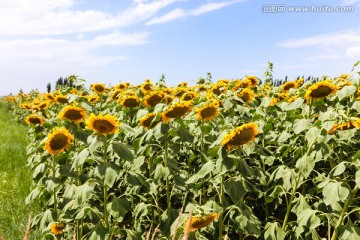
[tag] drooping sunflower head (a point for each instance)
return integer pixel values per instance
(240, 136)
(189, 96)
(219, 88)
(320, 90)
(93, 98)
(102, 125)
(57, 228)
(200, 222)
(286, 86)
(25, 105)
(247, 95)
(130, 101)
(98, 88)
(34, 120)
(148, 121)
(179, 91)
(49, 97)
(152, 99)
(177, 110)
(241, 84)
(58, 141)
(61, 99)
(208, 112)
(72, 113)
(116, 94)
(253, 79)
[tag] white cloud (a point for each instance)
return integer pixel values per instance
(353, 52)
(180, 13)
(350, 2)
(324, 40)
(174, 14)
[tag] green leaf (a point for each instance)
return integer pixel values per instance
(339, 169)
(305, 164)
(284, 136)
(273, 193)
(205, 170)
(357, 178)
(346, 92)
(167, 218)
(185, 135)
(83, 193)
(312, 134)
(123, 151)
(334, 192)
(235, 189)
(273, 231)
(294, 105)
(301, 125)
(349, 232)
(110, 176)
(94, 143)
(309, 219)
(99, 232)
(132, 235)
(161, 173)
(38, 170)
(118, 207)
(80, 158)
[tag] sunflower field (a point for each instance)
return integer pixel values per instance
(232, 159)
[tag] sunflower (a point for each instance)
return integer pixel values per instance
(241, 135)
(177, 110)
(115, 95)
(75, 114)
(58, 141)
(25, 105)
(49, 97)
(349, 125)
(200, 222)
(152, 99)
(218, 88)
(147, 121)
(344, 76)
(253, 79)
(320, 90)
(56, 228)
(246, 95)
(33, 120)
(147, 86)
(208, 112)
(168, 99)
(189, 96)
(179, 91)
(130, 101)
(61, 99)
(241, 84)
(286, 86)
(93, 98)
(102, 125)
(122, 86)
(98, 88)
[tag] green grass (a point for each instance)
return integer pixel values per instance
(15, 179)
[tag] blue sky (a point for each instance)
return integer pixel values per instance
(131, 40)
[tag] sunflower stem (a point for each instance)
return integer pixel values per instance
(221, 217)
(106, 220)
(202, 140)
(292, 196)
(310, 107)
(343, 212)
(54, 177)
(168, 200)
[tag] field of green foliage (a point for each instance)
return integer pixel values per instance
(231, 159)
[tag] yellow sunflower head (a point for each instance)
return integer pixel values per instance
(93, 98)
(34, 120)
(147, 86)
(57, 228)
(177, 110)
(247, 95)
(116, 94)
(98, 88)
(286, 86)
(25, 105)
(49, 97)
(148, 121)
(72, 113)
(189, 96)
(208, 112)
(152, 99)
(240, 136)
(102, 125)
(253, 79)
(58, 141)
(320, 90)
(130, 101)
(200, 222)
(241, 84)
(61, 99)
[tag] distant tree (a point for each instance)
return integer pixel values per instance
(65, 82)
(48, 86)
(286, 78)
(59, 82)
